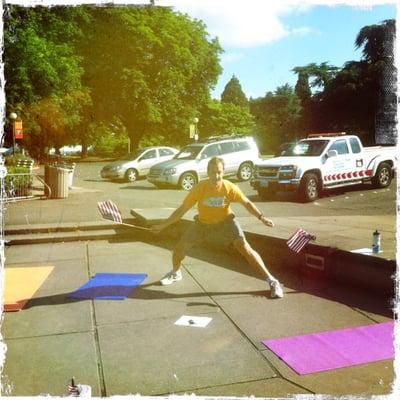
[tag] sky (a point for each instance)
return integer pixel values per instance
(264, 40)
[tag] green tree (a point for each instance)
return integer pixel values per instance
(302, 88)
(277, 116)
(377, 42)
(320, 75)
(374, 40)
(219, 118)
(234, 94)
(353, 98)
(150, 67)
(43, 72)
(352, 101)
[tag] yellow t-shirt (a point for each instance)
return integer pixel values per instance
(213, 204)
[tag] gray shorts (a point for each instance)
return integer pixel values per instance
(223, 233)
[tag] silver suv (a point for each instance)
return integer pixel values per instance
(190, 165)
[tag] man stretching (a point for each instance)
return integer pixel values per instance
(216, 220)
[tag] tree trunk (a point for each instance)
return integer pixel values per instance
(84, 151)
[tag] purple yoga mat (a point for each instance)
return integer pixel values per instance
(323, 351)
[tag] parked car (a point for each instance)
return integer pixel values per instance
(190, 165)
(323, 162)
(138, 163)
(70, 150)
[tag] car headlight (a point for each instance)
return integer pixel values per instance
(116, 167)
(287, 171)
(169, 171)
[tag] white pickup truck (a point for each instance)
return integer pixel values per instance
(324, 161)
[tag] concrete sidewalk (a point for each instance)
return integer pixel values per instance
(133, 346)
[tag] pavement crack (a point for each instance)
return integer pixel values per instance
(100, 369)
(47, 335)
(241, 332)
(298, 385)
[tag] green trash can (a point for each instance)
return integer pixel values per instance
(58, 182)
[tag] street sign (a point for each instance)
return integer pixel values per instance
(17, 129)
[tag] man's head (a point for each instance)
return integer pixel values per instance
(215, 170)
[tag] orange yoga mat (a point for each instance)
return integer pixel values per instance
(21, 283)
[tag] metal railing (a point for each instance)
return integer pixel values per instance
(21, 186)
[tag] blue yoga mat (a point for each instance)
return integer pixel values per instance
(108, 286)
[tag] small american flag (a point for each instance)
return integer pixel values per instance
(109, 210)
(299, 239)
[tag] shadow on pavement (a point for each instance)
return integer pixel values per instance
(136, 187)
(143, 292)
(294, 279)
(292, 197)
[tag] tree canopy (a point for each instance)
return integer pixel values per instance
(92, 74)
(225, 118)
(234, 94)
(348, 98)
(43, 72)
(277, 117)
(150, 67)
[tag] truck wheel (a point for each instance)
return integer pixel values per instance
(383, 176)
(245, 171)
(131, 175)
(187, 181)
(309, 188)
(265, 194)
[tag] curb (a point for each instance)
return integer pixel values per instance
(329, 263)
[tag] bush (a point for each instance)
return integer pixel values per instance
(154, 140)
(17, 185)
(110, 145)
(13, 160)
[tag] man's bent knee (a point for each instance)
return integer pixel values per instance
(242, 246)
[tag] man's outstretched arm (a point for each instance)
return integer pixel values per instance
(252, 209)
(174, 217)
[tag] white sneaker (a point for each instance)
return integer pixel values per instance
(171, 277)
(276, 289)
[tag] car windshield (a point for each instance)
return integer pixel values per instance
(307, 148)
(133, 156)
(188, 153)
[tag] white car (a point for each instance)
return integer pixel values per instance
(138, 163)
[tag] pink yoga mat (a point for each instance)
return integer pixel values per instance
(324, 351)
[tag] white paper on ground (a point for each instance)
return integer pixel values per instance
(198, 322)
(84, 390)
(365, 250)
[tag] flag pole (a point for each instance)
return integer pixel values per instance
(125, 224)
(134, 226)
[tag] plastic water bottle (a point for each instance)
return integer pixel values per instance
(376, 242)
